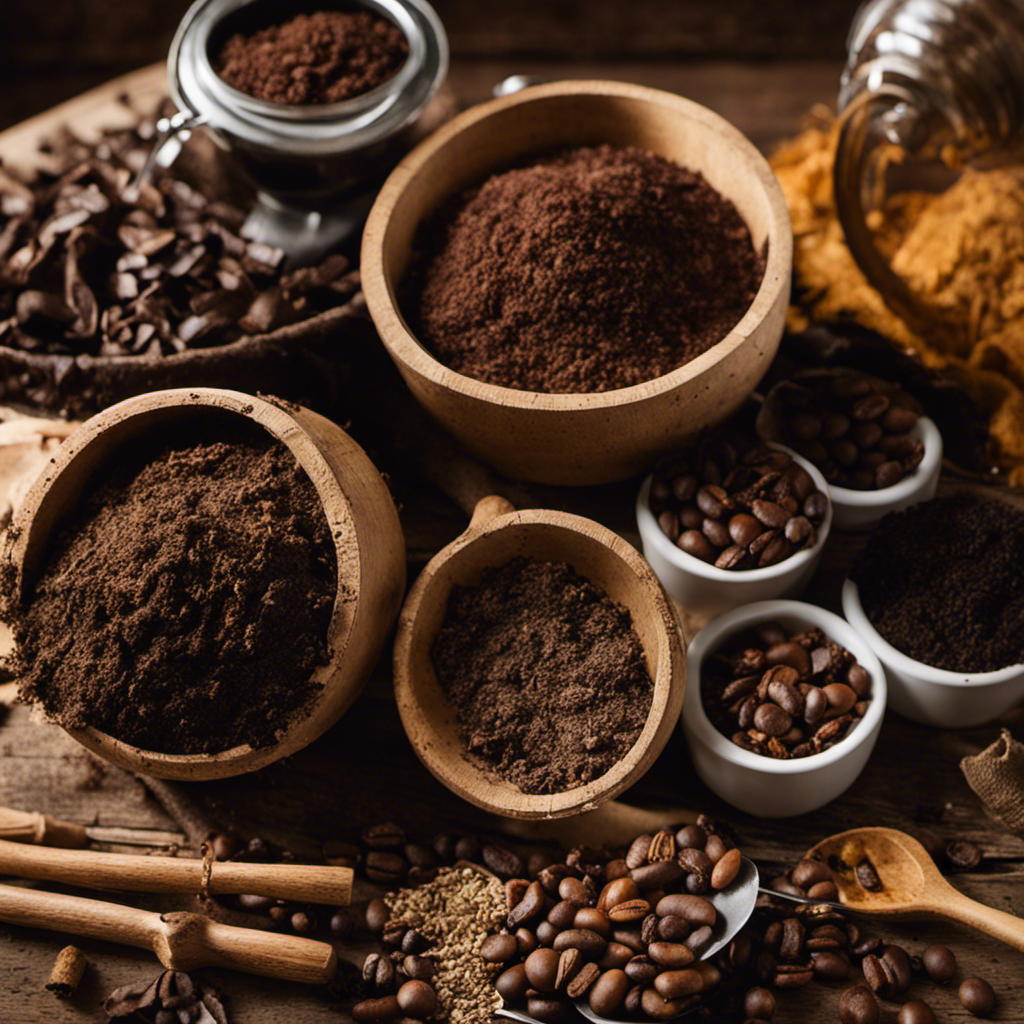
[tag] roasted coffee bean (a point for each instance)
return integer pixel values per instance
(593, 920)
(513, 983)
(744, 528)
(940, 963)
(587, 942)
(515, 890)
(690, 837)
(726, 870)
(254, 904)
(867, 944)
(963, 855)
(499, 948)
(874, 974)
(542, 969)
(896, 963)
(504, 863)
(419, 855)
(653, 1005)
(671, 928)
(387, 836)
(678, 984)
(741, 949)
(977, 997)
(582, 982)
(642, 969)
(387, 868)
(792, 940)
(225, 845)
(698, 938)
(690, 860)
(793, 979)
(615, 955)
(772, 720)
(302, 923)
(656, 876)
(546, 933)
(343, 923)
(858, 1005)
(377, 915)
(546, 1009)
(379, 972)
(444, 844)
(526, 941)
(608, 992)
(573, 889)
(468, 848)
(830, 965)
(916, 1012)
(630, 910)
(382, 1008)
(824, 891)
(551, 877)
(695, 909)
(696, 544)
(670, 954)
(716, 848)
(618, 891)
(414, 942)
(569, 964)
(759, 1003)
(419, 968)
(718, 535)
(630, 936)
(563, 914)
(528, 907)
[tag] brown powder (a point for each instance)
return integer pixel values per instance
(184, 603)
(323, 57)
(546, 673)
(593, 269)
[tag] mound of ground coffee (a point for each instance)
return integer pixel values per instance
(184, 603)
(590, 270)
(323, 57)
(942, 583)
(546, 674)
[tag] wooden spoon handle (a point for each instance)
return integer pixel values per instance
(1000, 925)
(33, 827)
(119, 872)
(270, 954)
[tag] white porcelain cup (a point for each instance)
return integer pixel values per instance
(766, 786)
(935, 696)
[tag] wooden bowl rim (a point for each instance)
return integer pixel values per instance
(669, 680)
(280, 424)
(379, 290)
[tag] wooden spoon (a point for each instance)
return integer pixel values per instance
(912, 885)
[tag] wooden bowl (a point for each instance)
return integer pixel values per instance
(496, 534)
(579, 438)
(361, 517)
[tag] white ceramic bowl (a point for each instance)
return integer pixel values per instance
(765, 786)
(860, 510)
(935, 696)
(705, 589)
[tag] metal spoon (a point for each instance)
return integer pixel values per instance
(734, 906)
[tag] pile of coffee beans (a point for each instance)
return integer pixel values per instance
(736, 503)
(784, 694)
(854, 428)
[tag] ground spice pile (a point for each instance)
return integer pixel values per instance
(961, 250)
(593, 269)
(323, 57)
(546, 674)
(942, 583)
(184, 603)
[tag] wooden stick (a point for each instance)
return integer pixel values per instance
(33, 827)
(181, 941)
(123, 872)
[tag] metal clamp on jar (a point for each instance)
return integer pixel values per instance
(316, 167)
(928, 80)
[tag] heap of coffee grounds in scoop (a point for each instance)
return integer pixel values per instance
(943, 583)
(546, 674)
(593, 269)
(184, 603)
(323, 57)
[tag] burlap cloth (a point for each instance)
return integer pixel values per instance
(997, 776)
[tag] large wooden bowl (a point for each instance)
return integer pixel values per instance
(579, 438)
(360, 514)
(496, 534)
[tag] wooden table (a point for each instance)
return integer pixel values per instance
(363, 771)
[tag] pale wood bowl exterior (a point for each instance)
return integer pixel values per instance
(497, 534)
(361, 517)
(579, 438)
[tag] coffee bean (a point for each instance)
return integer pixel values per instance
(582, 982)
(414, 942)
(569, 964)
(513, 983)
(888, 474)
(615, 955)
(711, 501)
(694, 909)
(387, 836)
(940, 963)
(528, 907)
(830, 965)
(696, 544)
(743, 528)
(302, 923)
(468, 848)
(678, 984)
(379, 972)
(607, 993)
(869, 407)
(963, 855)
(548, 1010)
(668, 521)
(551, 877)
(254, 904)
(499, 948)
(670, 954)
(546, 933)
(593, 920)
(444, 847)
(868, 877)
(824, 891)
(772, 720)
(587, 942)
(690, 837)
(793, 979)
(563, 914)
(419, 968)
(630, 910)
(343, 923)
(977, 997)
(858, 1005)
(504, 863)
(573, 889)
(815, 506)
(387, 868)
(898, 420)
(769, 513)
(874, 974)
(733, 557)
(684, 487)
(916, 1012)
(377, 915)
(656, 876)
(759, 1003)
(383, 1008)
(542, 969)
(653, 1005)
(716, 533)
(698, 938)
(526, 941)
(726, 870)
(809, 872)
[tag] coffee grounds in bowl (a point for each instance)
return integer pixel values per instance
(546, 674)
(942, 582)
(592, 269)
(322, 57)
(183, 604)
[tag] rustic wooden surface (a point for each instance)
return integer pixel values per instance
(363, 770)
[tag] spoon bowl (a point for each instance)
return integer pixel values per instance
(909, 883)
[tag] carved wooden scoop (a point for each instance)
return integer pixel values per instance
(911, 884)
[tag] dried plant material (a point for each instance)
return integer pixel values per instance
(962, 251)
(173, 996)
(456, 912)
(67, 972)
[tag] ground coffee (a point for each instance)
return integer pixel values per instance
(184, 604)
(546, 674)
(323, 57)
(942, 583)
(590, 270)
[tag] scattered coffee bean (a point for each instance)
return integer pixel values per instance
(940, 963)
(858, 1005)
(916, 1012)
(977, 997)
(868, 877)
(417, 999)
(963, 855)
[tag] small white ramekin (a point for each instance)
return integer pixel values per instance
(765, 786)
(860, 510)
(935, 696)
(701, 587)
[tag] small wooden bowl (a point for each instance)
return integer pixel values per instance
(496, 534)
(361, 517)
(579, 438)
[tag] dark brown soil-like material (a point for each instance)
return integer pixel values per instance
(590, 270)
(942, 582)
(184, 604)
(323, 57)
(546, 673)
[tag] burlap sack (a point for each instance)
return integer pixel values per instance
(997, 776)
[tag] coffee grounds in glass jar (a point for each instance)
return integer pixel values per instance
(183, 604)
(546, 674)
(942, 583)
(589, 270)
(323, 57)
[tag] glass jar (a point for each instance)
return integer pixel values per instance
(925, 80)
